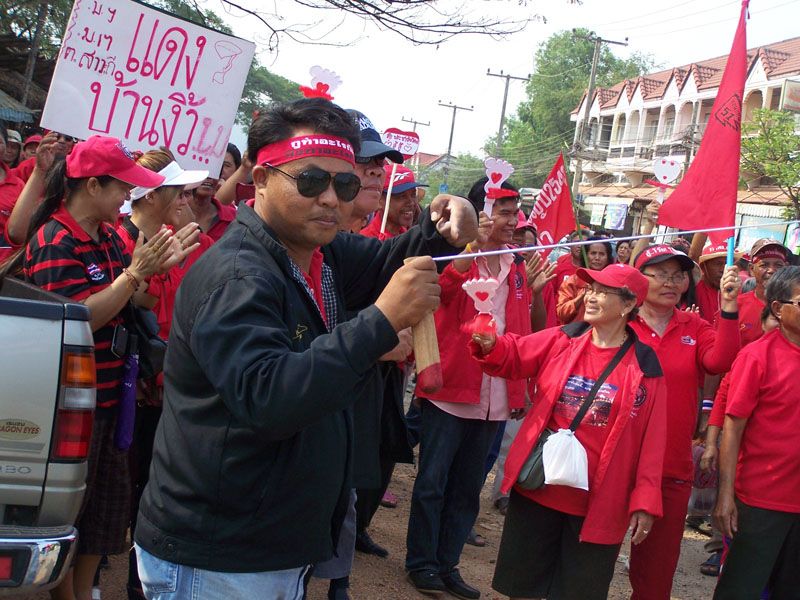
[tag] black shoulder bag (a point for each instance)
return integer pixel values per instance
(531, 476)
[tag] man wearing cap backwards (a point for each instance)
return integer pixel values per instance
(250, 476)
(401, 204)
(460, 421)
(766, 256)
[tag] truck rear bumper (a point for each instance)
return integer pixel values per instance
(39, 557)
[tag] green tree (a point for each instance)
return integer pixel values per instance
(542, 126)
(465, 170)
(771, 148)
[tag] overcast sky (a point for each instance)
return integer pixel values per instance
(389, 78)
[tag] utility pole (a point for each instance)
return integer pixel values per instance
(452, 128)
(598, 43)
(508, 79)
(412, 120)
(415, 123)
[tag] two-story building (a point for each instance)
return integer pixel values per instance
(664, 115)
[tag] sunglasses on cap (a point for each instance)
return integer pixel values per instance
(313, 181)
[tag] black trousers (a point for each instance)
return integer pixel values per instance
(765, 553)
(368, 500)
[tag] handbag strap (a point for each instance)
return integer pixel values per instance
(600, 380)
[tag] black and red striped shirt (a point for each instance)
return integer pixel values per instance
(64, 259)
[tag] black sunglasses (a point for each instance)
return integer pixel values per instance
(313, 181)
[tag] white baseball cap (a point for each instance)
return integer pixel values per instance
(173, 175)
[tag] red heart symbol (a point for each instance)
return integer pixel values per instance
(663, 162)
(496, 177)
(663, 177)
(323, 87)
(482, 296)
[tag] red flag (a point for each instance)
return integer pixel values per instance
(552, 214)
(706, 196)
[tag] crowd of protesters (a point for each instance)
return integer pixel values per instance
(287, 287)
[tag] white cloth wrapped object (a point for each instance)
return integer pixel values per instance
(565, 461)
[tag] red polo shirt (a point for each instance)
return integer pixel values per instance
(688, 347)
(764, 391)
(225, 214)
(750, 308)
(64, 259)
(10, 189)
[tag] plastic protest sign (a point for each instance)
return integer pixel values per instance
(149, 78)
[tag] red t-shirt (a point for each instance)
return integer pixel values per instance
(764, 391)
(564, 270)
(717, 416)
(225, 214)
(373, 228)
(10, 189)
(688, 347)
(708, 299)
(594, 427)
(750, 308)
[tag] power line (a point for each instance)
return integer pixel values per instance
(455, 108)
(508, 79)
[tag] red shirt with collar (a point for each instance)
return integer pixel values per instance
(564, 270)
(225, 214)
(10, 189)
(314, 280)
(24, 169)
(373, 229)
(688, 347)
(764, 391)
(750, 308)
(708, 299)
(64, 259)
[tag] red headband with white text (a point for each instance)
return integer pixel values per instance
(305, 146)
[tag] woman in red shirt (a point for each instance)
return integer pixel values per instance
(73, 251)
(570, 304)
(686, 346)
(560, 541)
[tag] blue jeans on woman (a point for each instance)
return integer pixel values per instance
(163, 580)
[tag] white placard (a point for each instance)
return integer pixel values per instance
(615, 216)
(598, 210)
(149, 78)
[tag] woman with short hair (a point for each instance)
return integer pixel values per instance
(560, 541)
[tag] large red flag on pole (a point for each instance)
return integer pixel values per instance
(706, 196)
(552, 214)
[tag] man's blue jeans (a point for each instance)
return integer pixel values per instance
(446, 497)
(163, 580)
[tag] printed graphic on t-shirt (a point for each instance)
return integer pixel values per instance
(575, 392)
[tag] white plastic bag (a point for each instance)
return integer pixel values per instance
(565, 461)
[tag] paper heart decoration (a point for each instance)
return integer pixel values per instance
(405, 142)
(666, 170)
(498, 171)
(482, 291)
(323, 83)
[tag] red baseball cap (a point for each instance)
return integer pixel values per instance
(717, 251)
(659, 253)
(102, 155)
(618, 275)
(522, 222)
(32, 139)
(403, 179)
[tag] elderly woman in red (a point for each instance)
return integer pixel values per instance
(686, 346)
(561, 541)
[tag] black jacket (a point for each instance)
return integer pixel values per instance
(251, 464)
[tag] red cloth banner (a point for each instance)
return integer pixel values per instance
(706, 196)
(552, 214)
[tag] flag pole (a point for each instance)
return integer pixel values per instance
(575, 210)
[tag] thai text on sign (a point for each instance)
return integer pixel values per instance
(149, 78)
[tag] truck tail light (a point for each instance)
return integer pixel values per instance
(73, 427)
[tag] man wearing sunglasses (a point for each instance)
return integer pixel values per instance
(251, 466)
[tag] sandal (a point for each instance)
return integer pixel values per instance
(711, 566)
(476, 539)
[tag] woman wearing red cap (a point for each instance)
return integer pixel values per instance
(687, 346)
(560, 541)
(72, 250)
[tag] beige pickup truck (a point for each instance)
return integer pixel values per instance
(47, 401)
